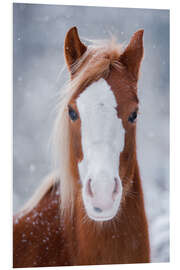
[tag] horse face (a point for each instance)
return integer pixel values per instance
(102, 140)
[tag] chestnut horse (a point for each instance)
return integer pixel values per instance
(91, 211)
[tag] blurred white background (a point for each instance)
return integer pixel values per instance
(39, 32)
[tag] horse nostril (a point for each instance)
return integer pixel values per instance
(116, 187)
(97, 209)
(88, 188)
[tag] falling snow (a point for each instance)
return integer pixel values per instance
(38, 58)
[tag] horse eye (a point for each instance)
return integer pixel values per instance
(72, 113)
(132, 117)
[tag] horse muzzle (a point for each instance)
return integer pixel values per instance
(102, 197)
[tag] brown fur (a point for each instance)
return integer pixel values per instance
(46, 237)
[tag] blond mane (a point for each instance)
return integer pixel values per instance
(94, 64)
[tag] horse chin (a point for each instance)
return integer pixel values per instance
(101, 217)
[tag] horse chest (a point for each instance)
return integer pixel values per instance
(98, 246)
(114, 249)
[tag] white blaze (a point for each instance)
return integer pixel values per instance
(102, 136)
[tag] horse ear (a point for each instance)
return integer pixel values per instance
(73, 47)
(133, 53)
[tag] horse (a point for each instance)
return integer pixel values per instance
(90, 210)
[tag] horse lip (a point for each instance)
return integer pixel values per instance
(101, 218)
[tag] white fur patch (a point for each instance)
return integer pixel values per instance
(102, 136)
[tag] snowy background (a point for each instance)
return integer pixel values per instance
(39, 32)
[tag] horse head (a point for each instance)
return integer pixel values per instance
(102, 111)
